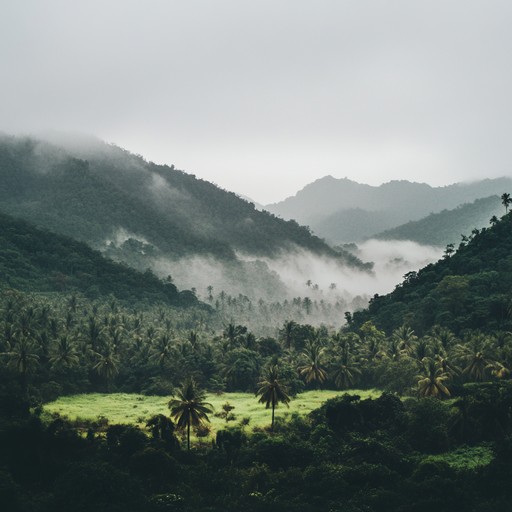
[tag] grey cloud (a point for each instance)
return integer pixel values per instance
(243, 93)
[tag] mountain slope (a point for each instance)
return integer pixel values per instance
(468, 290)
(354, 224)
(40, 261)
(446, 227)
(330, 206)
(149, 215)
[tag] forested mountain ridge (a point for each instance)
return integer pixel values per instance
(150, 216)
(342, 210)
(467, 289)
(446, 227)
(36, 260)
(90, 192)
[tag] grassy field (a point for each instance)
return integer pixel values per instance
(136, 409)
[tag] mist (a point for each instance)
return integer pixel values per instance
(279, 285)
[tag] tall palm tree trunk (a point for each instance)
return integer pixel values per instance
(273, 410)
(188, 436)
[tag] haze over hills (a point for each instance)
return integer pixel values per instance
(448, 226)
(341, 210)
(154, 216)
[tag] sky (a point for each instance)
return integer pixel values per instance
(262, 97)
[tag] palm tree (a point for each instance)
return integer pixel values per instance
(307, 304)
(286, 333)
(23, 358)
(505, 201)
(233, 334)
(107, 364)
(442, 337)
(312, 371)
(189, 408)
(65, 354)
(474, 355)
(272, 392)
(420, 350)
(447, 366)
(162, 350)
(347, 372)
(405, 337)
(431, 382)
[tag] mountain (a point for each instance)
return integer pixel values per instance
(354, 224)
(150, 215)
(36, 260)
(469, 289)
(341, 210)
(446, 227)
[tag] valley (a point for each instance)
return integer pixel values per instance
(157, 331)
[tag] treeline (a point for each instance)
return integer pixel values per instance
(65, 345)
(265, 317)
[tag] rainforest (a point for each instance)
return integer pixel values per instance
(120, 389)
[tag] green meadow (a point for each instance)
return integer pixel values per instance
(137, 409)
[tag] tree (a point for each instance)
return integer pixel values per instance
(286, 333)
(405, 337)
(431, 381)
(474, 355)
(189, 408)
(307, 304)
(233, 334)
(272, 392)
(505, 201)
(312, 371)
(347, 372)
(162, 350)
(65, 354)
(450, 249)
(107, 364)
(23, 358)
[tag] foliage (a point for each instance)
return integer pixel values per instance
(467, 290)
(97, 191)
(35, 260)
(445, 227)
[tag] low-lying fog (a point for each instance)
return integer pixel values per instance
(303, 273)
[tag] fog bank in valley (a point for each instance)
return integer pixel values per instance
(333, 288)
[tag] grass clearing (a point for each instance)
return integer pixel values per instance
(135, 409)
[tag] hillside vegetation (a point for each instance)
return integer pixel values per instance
(342, 210)
(467, 289)
(446, 227)
(148, 215)
(40, 261)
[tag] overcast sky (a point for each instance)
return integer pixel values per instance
(263, 97)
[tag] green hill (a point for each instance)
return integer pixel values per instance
(468, 290)
(446, 227)
(40, 261)
(148, 215)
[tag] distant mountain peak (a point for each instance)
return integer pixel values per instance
(330, 205)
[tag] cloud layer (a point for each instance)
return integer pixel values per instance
(250, 93)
